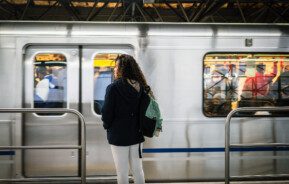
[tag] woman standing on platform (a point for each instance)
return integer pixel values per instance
(120, 115)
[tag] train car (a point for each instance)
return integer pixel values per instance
(198, 73)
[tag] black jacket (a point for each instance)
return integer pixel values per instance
(120, 114)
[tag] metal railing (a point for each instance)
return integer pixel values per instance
(81, 147)
(228, 145)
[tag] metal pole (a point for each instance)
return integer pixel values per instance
(40, 147)
(227, 147)
(56, 110)
(83, 150)
(227, 135)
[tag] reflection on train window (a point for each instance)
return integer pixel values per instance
(103, 76)
(50, 82)
(245, 80)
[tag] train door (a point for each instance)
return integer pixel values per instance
(97, 72)
(51, 81)
(53, 76)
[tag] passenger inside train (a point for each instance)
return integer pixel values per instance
(244, 80)
(50, 82)
(255, 89)
(279, 90)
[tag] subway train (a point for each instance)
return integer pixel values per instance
(198, 74)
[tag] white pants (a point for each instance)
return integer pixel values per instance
(124, 156)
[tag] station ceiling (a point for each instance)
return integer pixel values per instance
(228, 11)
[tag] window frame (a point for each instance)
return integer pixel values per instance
(230, 52)
(103, 51)
(33, 91)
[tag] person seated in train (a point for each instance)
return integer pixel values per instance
(220, 103)
(54, 98)
(225, 78)
(279, 90)
(207, 103)
(102, 78)
(217, 78)
(45, 90)
(42, 87)
(216, 102)
(218, 93)
(256, 88)
(62, 85)
(222, 77)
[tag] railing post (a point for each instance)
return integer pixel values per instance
(227, 147)
(82, 147)
(227, 135)
(83, 150)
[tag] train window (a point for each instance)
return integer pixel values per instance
(245, 80)
(50, 81)
(103, 76)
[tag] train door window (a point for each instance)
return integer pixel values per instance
(234, 80)
(50, 81)
(103, 76)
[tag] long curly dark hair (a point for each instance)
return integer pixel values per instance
(129, 69)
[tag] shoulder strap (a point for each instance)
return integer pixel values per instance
(147, 89)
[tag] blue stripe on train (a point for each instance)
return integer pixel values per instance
(2, 153)
(189, 150)
(186, 150)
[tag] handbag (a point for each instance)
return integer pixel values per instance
(150, 120)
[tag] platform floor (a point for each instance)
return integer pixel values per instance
(114, 182)
(243, 182)
(262, 182)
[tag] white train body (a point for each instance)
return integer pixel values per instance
(173, 58)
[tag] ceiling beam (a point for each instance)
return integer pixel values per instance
(283, 13)
(97, 12)
(204, 7)
(141, 11)
(127, 10)
(149, 14)
(67, 5)
(5, 10)
(25, 10)
(241, 11)
(183, 11)
(158, 13)
(114, 9)
(175, 11)
(276, 12)
(48, 9)
(215, 7)
(92, 9)
(183, 1)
